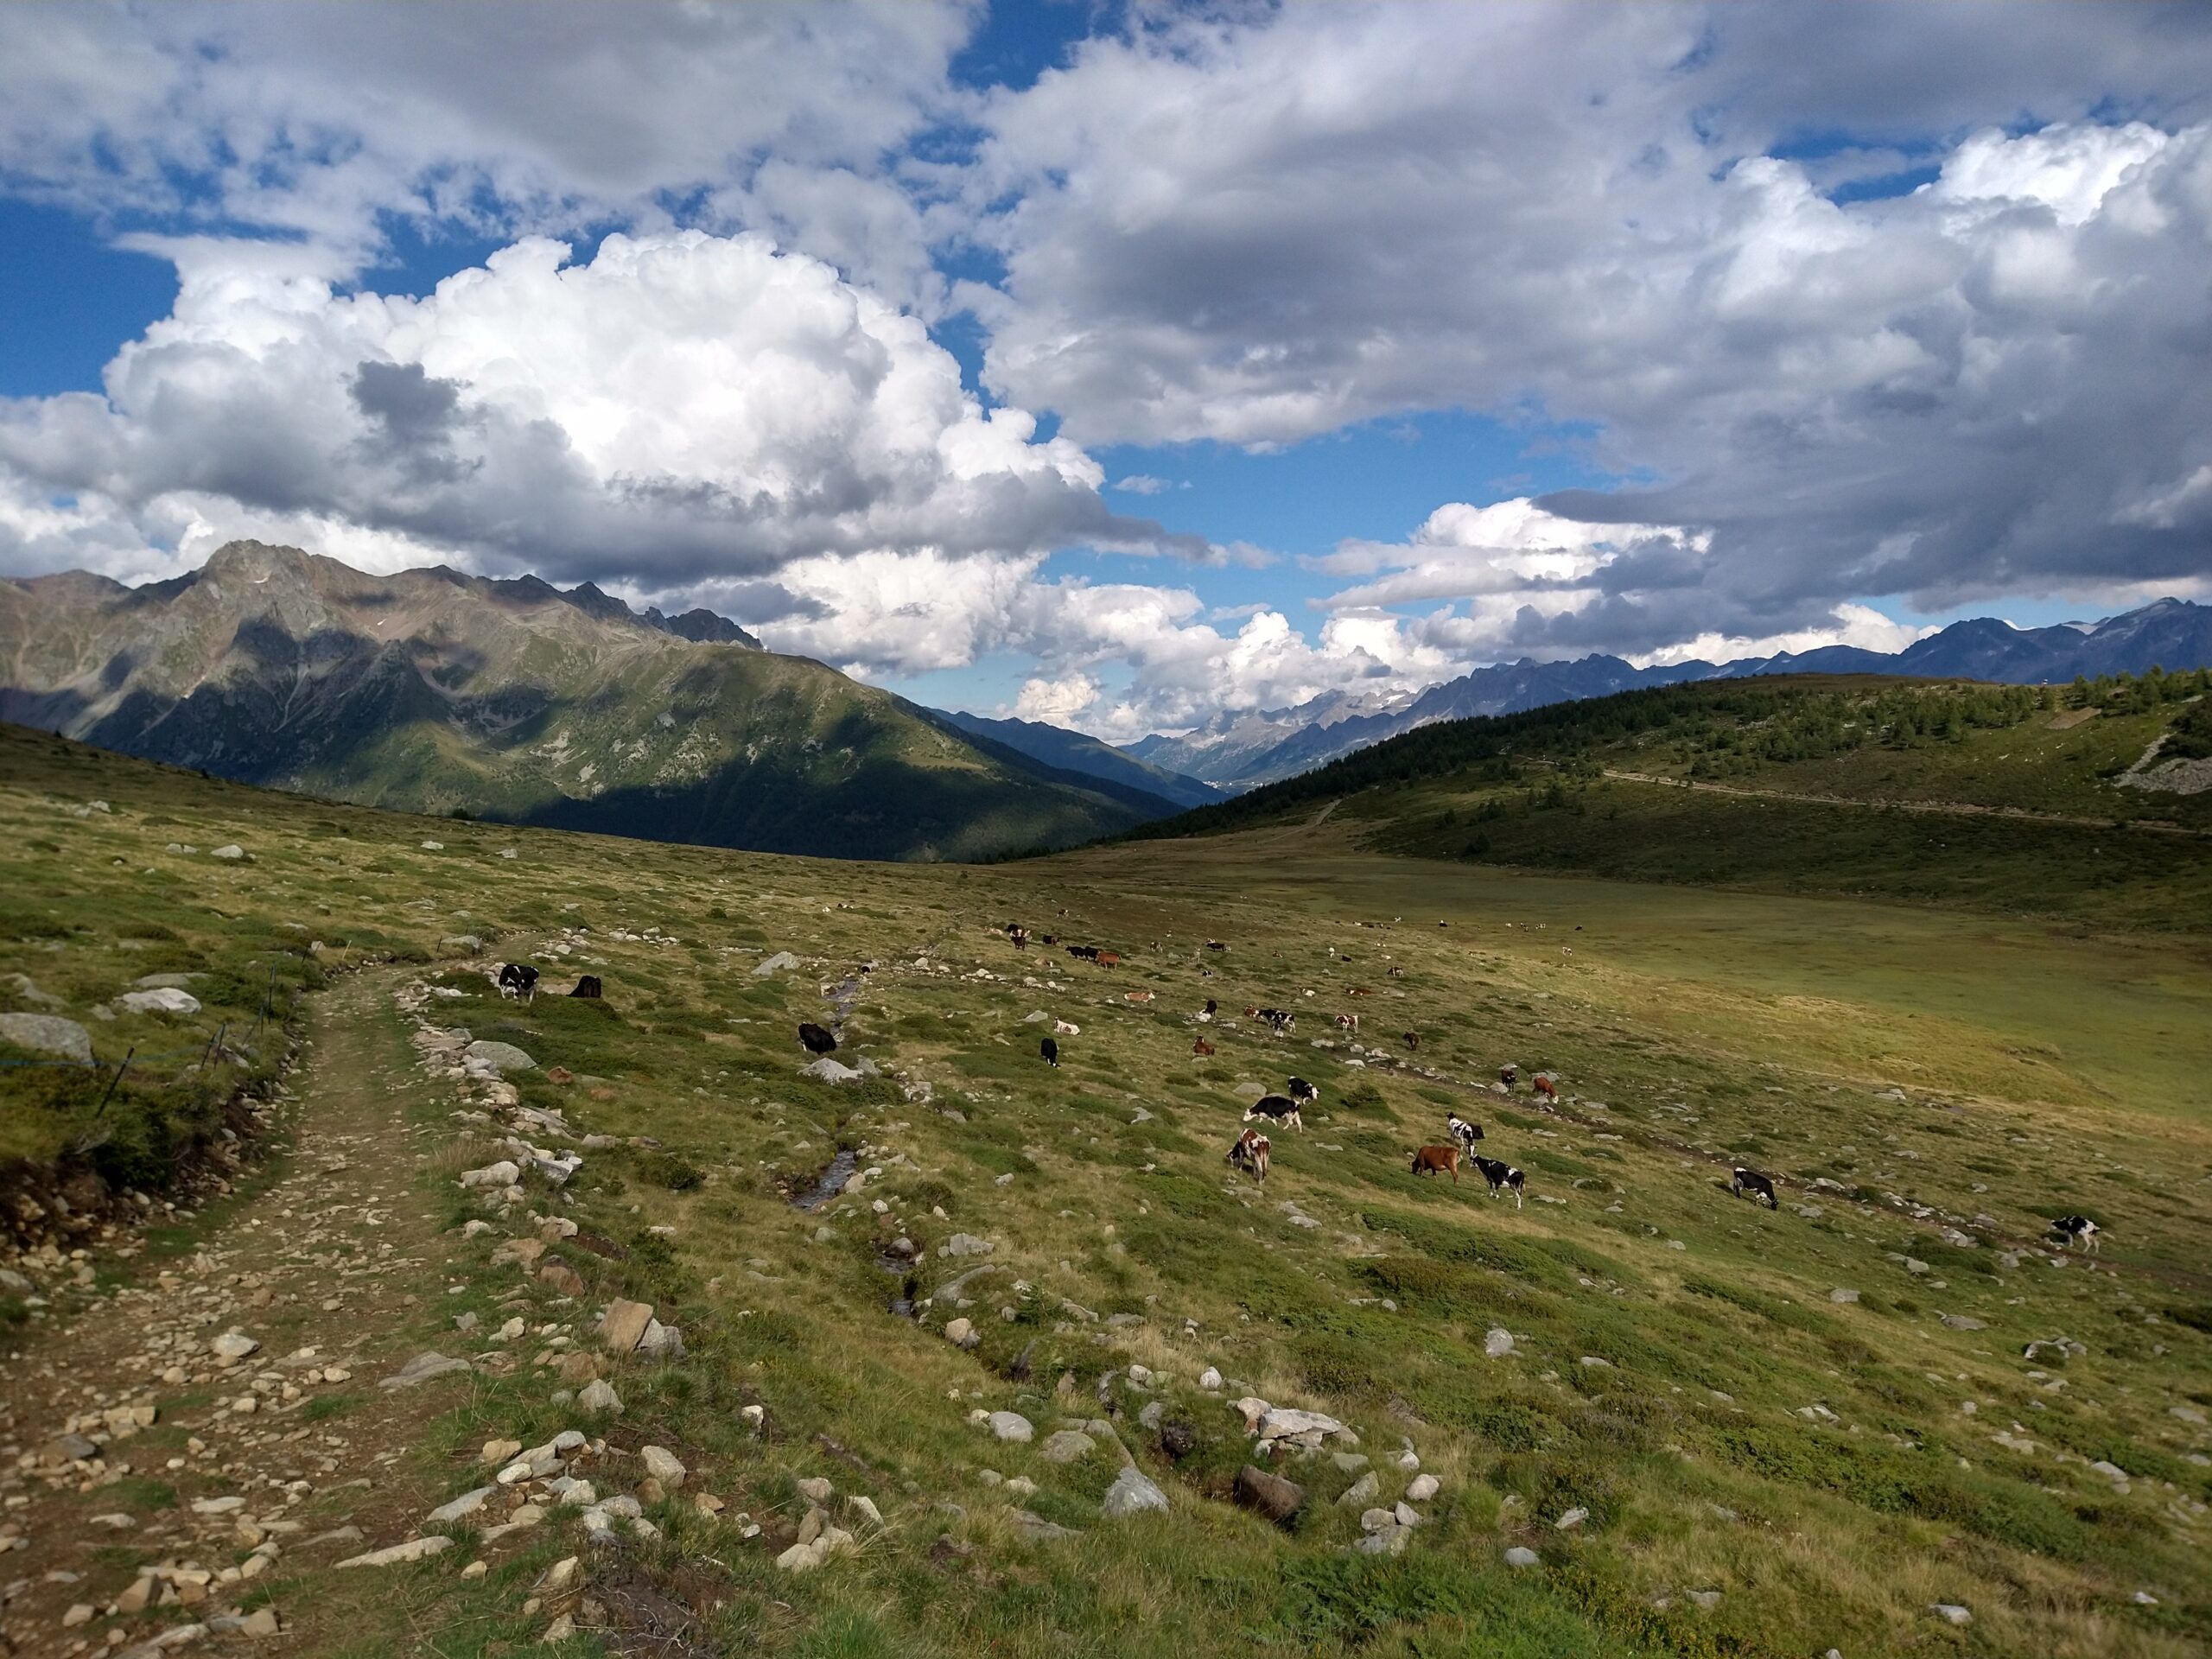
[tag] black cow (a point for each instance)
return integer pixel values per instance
(818, 1039)
(519, 979)
(2077, 1230)
(1050, 1051)
(1465, 1133)
(1501, 1175)
(587, 985)
(1280, 1109)
(1750, 1181)
(1216, 944)
(1509, 1074)
(1303, 1092)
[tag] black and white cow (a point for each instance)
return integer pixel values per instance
(1303, 1092)
(1750, 1181)
(1279, 1109)
(1509, 1074)
(1049, 1051)
(1502, 1176)
(817, 1040)
(519, 979)
(1465, 1133)
(2077, 1230)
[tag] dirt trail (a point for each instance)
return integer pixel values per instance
(1940, 809)
(128, 1440)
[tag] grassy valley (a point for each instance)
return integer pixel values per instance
(1714, 1429)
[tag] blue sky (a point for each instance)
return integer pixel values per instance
(1304, 350)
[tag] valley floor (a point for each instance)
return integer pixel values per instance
(994, 1393)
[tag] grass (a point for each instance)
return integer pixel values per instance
(1903, 1070)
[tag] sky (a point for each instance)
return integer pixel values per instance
(1123, 365)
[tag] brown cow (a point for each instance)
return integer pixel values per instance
(1201, 1047)
(1413, 1040)
(1107, 959)
(1543, 1086)
(1430, 1160)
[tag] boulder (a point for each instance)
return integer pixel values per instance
(1521, 1556)
(1422, 1488)
(1498, 1342)
(1131, 1493)
(167, 998)
(600, 1396)
(623, 1326)
(782, 961)
(1010, 1425)
(1068, 1445)
(1272, 1496)
(47, 1034)
(414, 1549)
(233, 851)
(422, 1368)
(498, 1059)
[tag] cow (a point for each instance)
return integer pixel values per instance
(1431, 1161)
(1303, 1092)
(1050, 1051)
(1066, 1028)
(1349, 1021)
(1206, 1014)
(1501, 1175)
(587, 985)
(1083, 952)
(1509, 1074)
(1544, 1086)
(1361, 990)
(1106, 959)
(1397, 973)
(1048, 938)
(1201, 1048)
(2077, 1230)
(1216, 944)
(519, 979)
(1743, 1181)
(1413, 1040)
(816, 1039)
(1136, 996)
(1465, 1133)
(1019, 935)
(1279, 1109)
(1250, 1153)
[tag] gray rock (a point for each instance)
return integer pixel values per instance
(1522, 1555)
(1130, 1493)
(1068, 1445)
(422, 1368)
(26, 988)
(1038, 1529)
(46, 1033)
(776, 964)
(484, 1055)
(664, 1466)
(467, 1503)
(1270, 1495)
(1498, 1342)
(830, 1071)
(232, 1345)
(1390, 1539)
(599, 1396)
(1951, 1614)
(1011, 1426)
(414, 1549)
(1708, 1599)
(1360, 1492)
(1840, 1294)
(965, 1244)
(231, 851)
(71, 1448)
(167, 999)
(1962, 1322)
(1422, 1488)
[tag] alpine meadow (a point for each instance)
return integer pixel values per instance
(903, 830)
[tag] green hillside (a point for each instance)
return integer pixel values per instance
(2087, 802)
(1719, 1430)
(433, 692)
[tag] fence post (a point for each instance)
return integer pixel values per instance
(113, 1084)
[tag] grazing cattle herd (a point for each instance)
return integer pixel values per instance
(1251, 1151)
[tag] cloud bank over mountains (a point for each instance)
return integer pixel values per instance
(1849, 304)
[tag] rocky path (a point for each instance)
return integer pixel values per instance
(173, 1443)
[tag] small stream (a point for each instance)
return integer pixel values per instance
(832, 1182)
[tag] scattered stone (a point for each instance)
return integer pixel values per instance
(1572, 1519)
(233, 851)
(1357, 1495)
(1840, 1294)
(1010, 1425)
(422, 1368)
(1068, 1445)
(232, 1345)
(1962, 1322)
(1422, 1488)
(1273, 1496)
(776, 964)
(467, 1503)
(498, 1058)
(47, 1034)
(624, 1325)
(664, 1467)
(965, 1244)
(962, 1333)
(1951, 1614)
(1210, 1379)
(1131, 1493)
(600, 1396)
(166, 999)
(1497, 1342)
(415, 1549)
(1707, 1599)
(1522, 1555)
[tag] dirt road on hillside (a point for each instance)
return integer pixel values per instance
(137, 1435)
(1940, 809)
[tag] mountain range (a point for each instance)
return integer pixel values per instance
(1243, 751)
(436, 691)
